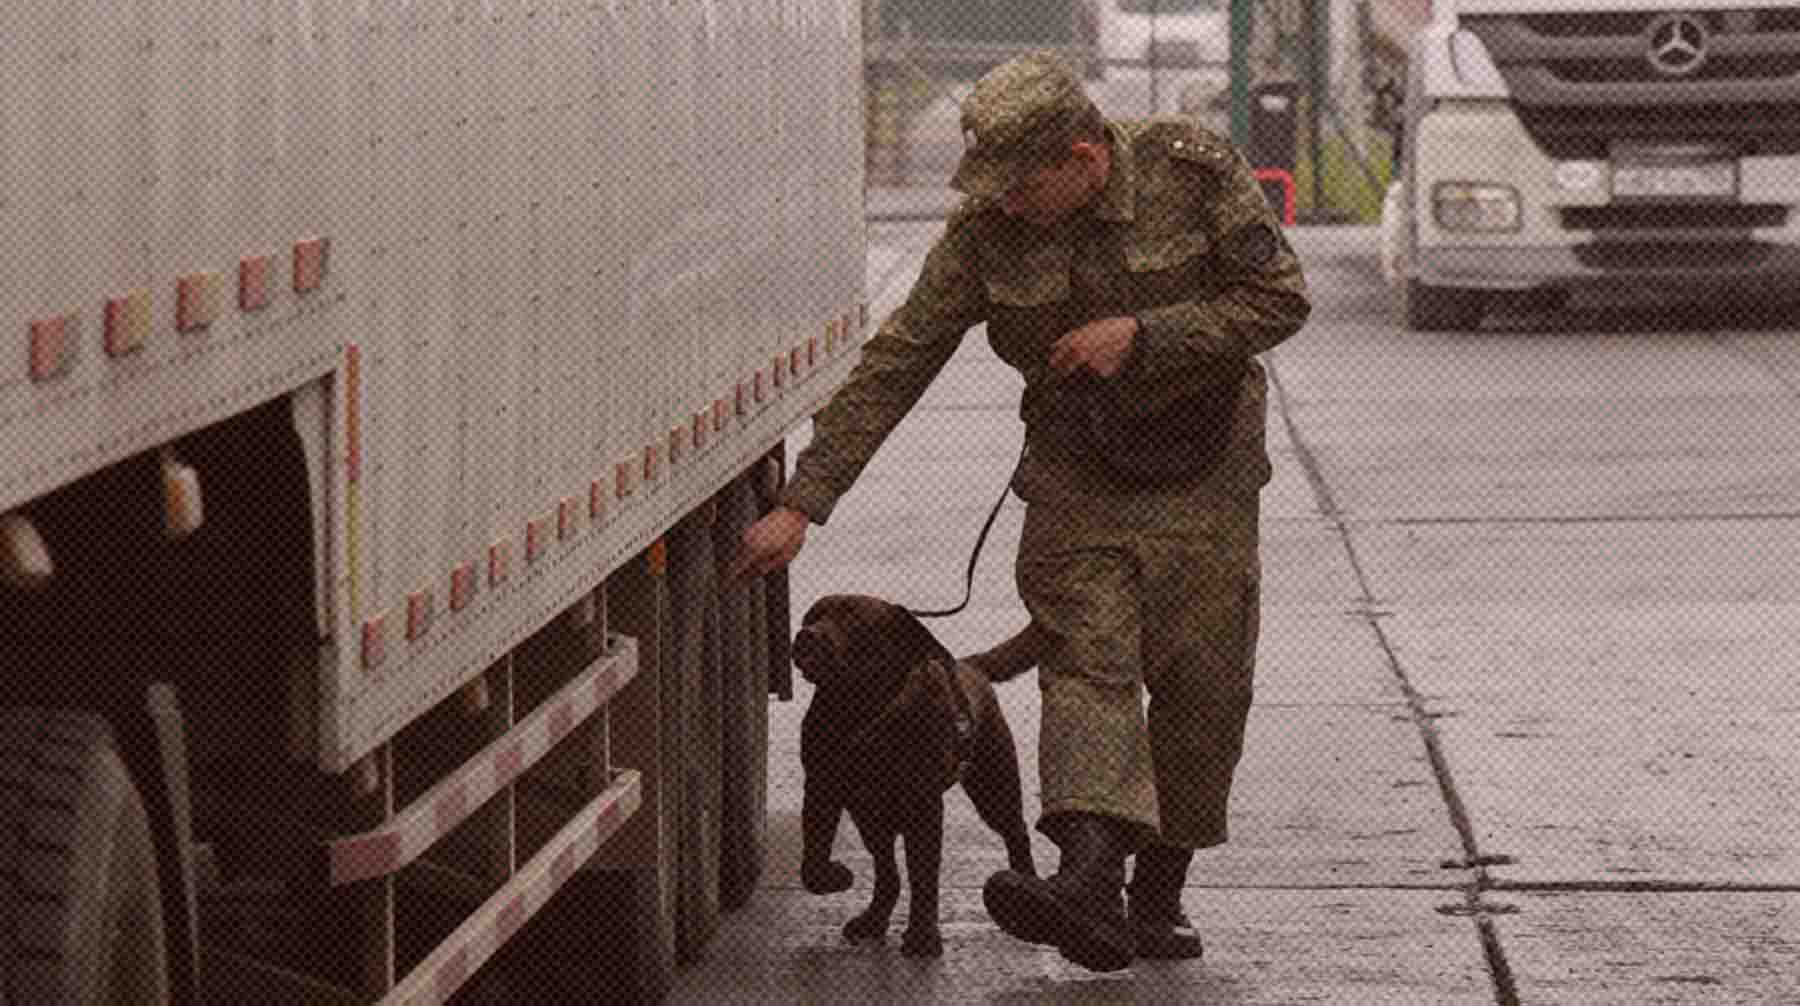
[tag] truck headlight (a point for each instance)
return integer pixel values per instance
(1469, 206)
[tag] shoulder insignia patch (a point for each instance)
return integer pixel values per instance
(1193, 143)
(1253, 245)
(1198, 151)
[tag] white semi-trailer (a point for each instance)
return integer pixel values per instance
(1551, 144)
(381, 380)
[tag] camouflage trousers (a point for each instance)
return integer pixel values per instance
(1159, 594)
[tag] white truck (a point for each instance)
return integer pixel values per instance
(1549, 144)
(383, 380)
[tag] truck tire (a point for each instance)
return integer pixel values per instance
(80, 902)
(692, 666)
(777, 615)
(745, 666)
(1441, 308)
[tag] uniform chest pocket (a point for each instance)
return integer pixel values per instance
(1166, 268)
(1037, 278)
(1030, 302)
(1161, 252)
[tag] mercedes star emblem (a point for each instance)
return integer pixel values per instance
(1678, 44)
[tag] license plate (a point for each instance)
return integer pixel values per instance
(1706, 180)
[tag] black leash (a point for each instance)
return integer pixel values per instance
(974, 556)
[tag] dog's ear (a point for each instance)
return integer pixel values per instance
(820, 608)
(912, 643)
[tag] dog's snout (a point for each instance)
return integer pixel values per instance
(812, 652)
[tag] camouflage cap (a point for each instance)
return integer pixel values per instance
(1015, 121)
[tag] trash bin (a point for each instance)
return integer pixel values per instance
(1275, 124)
(1275, 138)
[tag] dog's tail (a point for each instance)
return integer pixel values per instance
(1013, 657)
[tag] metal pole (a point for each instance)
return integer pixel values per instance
(1155, 8)
(1318, 42)
(1242, 18)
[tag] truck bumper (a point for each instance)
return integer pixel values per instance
(1571, 229)
(1767, 266)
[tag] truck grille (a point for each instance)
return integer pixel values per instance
(1604, 71)
(1637, 23)
(1582, 81)
(1571, 132)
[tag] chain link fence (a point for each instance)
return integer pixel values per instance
(1321, 76)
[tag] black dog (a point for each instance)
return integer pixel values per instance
(896, 721)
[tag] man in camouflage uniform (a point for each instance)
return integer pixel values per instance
(1136, 260)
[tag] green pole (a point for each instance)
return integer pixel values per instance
(1242, 18)
(1155, 6)
(1318, 38)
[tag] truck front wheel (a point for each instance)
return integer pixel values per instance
(80, 903)
(1441, 308)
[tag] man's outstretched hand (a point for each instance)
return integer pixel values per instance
(769, 544)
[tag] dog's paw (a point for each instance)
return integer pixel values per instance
(827, 878)
(866, 928)
(922, 941)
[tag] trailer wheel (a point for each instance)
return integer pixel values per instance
(692, 666)
(80, 903)
(744, 658)
(1441, 308)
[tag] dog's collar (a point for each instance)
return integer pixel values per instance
(962, 716)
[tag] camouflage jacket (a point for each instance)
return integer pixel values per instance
(1181, 237)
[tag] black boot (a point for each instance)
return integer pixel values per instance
(1159, 929)
(1079, 910)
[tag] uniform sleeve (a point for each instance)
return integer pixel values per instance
(1263, 298)
(897, 365)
